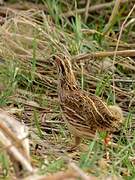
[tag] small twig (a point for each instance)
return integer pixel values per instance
(132, 21)
(124, 53)
(112, 17)
(82, 75)
(87, 10)
(125, 80)
(124, 45)
(91, 9)
(116, 49)
(34, 105)
(22, 6)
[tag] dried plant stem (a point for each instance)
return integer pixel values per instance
(87, 10)
(11, 135)
(91, 9)
(11, 149)
(116, 49)
(123, 53)
(112, 17)
(82, 75)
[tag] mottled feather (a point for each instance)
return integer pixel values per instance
(83, 114)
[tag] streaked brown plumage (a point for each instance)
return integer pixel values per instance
(83, 114)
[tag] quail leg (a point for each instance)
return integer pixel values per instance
(107, 142)
(107, 139)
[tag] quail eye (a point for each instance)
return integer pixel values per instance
(74, 87)
(62, 69)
